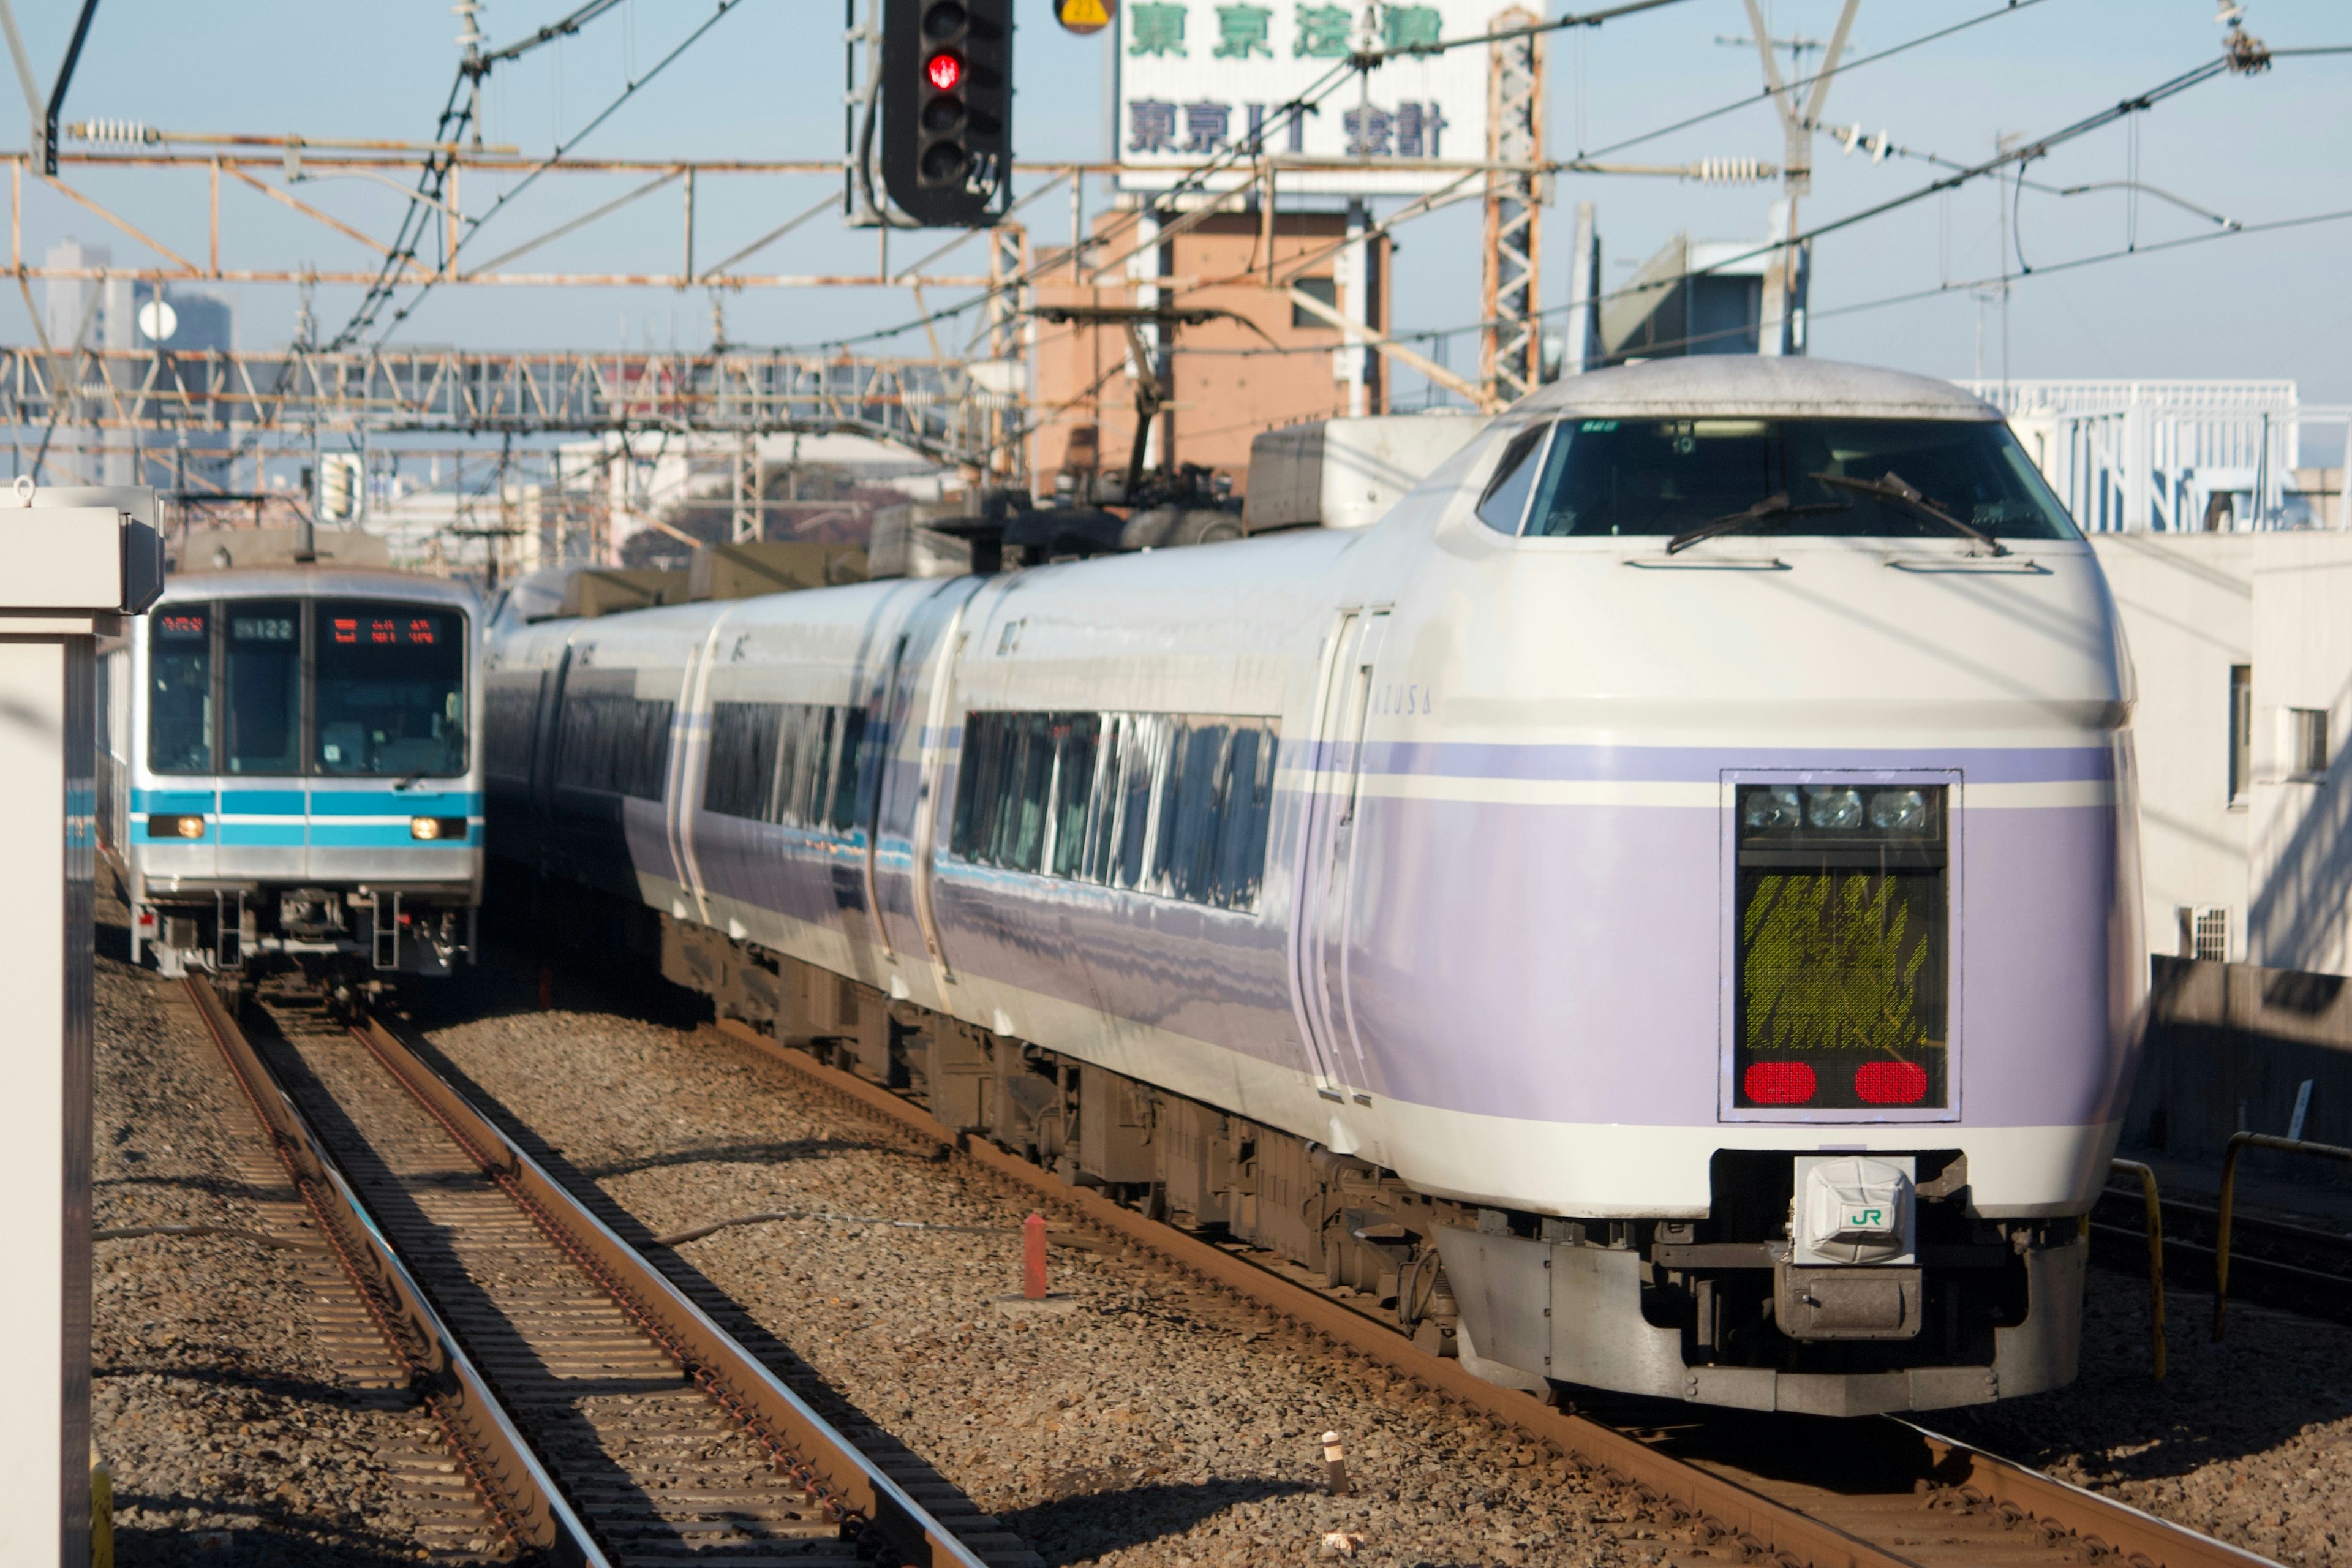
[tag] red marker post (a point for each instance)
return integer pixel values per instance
(1033, 1258)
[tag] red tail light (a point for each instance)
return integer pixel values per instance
(1890, 1083)
(1777, 1083)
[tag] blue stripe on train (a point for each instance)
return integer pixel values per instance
(389, 802)
(172, 800)
(384, 835)
(313, 803)
(261, 803)
(260, 834)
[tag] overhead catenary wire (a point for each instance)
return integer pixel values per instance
(474, 225)
(2011, 157)
(1196, 179)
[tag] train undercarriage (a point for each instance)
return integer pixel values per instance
(1728, 1309)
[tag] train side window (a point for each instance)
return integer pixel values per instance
(262, 685)
(614, 744)
(1504, 507)
(1173, 805)
(743, 738)
(511, 728)
(180, 678)
(849, 753)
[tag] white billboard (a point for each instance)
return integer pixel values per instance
(1198, 78)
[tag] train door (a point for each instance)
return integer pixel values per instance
(546, 734)
(939, 713)
(903, 797)
(1319, 920)
(690, 763)
(882, 740)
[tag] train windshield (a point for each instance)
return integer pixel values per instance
(391, 689)
(262, 677)
(180, 700)
(1836, 476)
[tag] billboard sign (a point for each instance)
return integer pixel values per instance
(1198, 78)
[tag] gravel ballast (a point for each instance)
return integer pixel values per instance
(1164, 1424)
(234, 1432)
(1159, 1423)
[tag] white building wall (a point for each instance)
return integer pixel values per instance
(2300, 913)
(2188, 605)
(2280, 857)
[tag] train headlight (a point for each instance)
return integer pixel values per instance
(429, 829)
(160, 826)
(1769, 809)
(1899, 811)
(1835, 808)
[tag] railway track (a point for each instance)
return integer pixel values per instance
(1877, 1493)
(602, 1414)
(2272, 1263)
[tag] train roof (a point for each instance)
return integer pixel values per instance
(1703, 386)
(315, 582)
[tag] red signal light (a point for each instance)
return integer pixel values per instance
(1890, 1083)
(1779, 1083)
(944, 71)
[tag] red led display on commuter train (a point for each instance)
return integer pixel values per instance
(384, 633)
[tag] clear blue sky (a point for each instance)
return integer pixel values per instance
(767, 82)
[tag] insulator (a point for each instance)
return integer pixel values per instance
(112, 132)
(469, 32)
(1727, 171)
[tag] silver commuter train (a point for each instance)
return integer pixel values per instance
(1676, 870)
(288, 772)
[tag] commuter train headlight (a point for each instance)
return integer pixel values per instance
(1832, 808)
(436, 827)
(161, 826)
(1774, 808)
(1898, 811)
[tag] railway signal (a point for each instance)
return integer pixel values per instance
(947, 110)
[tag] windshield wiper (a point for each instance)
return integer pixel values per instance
(409, 781)
(1770, 510)
(1894, 486)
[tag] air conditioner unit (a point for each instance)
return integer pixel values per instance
(2205, 931)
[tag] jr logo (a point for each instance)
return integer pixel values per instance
(1865, 1219)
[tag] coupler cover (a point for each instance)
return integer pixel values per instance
(1852, 1272)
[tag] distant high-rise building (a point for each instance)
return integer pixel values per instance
(201, 322)
(89, 312)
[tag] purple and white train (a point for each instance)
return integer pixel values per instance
(1657, 907)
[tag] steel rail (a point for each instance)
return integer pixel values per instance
(512, 1482)
(1758, 1522)
(801, 1441)
(1723, 1507)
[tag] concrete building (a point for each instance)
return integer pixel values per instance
(1232, 380)
(2243, 650)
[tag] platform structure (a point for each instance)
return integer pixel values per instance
(78, 561)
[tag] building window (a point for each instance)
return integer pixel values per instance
(2241, 731)
(2306, 742)
(1323, 291)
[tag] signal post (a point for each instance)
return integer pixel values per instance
(77, 562)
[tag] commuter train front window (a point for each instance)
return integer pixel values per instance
(1842, 953)
(792, 763)
(1172, 804)
(180, 672)
(262, 683)
(390, 689)
(1622, 478)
